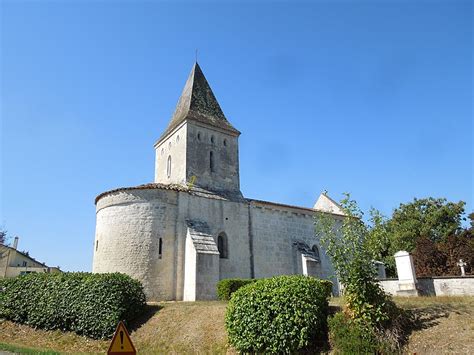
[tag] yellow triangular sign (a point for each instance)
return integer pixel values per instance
(121, 342)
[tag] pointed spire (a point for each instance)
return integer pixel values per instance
(198, 103)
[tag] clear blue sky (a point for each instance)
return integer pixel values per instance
(374, 98)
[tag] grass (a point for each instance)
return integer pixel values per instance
(23, 350)
(443, 325)
(169, 327)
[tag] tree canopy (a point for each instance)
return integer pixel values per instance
(430, 228)
(433, 218)
(3, 236)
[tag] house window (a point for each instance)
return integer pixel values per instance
(168, 167)
(211, 161)
(225, 143)
(315, 250)
(160, 248)
(212, 139)
(222, 246)
(96, 245)
(24, 262)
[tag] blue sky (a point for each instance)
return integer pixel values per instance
(374, 98)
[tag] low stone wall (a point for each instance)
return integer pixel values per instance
(390, 286)
(446, 286)
(435, 286)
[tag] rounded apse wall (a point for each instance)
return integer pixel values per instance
(135, 235)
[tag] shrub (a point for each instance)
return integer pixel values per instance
(88, 304)
(226, 287)
(278, 315)
(349, 337)
(346, 243)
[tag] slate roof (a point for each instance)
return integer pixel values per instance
(201, 237)
(198, 103)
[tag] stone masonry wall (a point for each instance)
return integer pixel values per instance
(131, 222)
(435, 286)
(175, 147)
(274, 230)
(446, 286)
(201, 141)
(129, 226)
(222, 216)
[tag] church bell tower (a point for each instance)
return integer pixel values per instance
(199, 147)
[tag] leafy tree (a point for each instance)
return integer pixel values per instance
(378, 242)
(3, 236)
(3, 241)
(458, 247)
(441, 259)
(433, 218)
(346, 243)
(428, 259)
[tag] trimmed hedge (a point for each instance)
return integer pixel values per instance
(88, 304)
(226, 287)
(282, 314)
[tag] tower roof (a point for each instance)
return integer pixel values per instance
(198, 103)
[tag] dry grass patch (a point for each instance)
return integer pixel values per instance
(184, 327)
(443, 325)
(171, 327)
(25, 336)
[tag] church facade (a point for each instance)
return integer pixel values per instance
(192, 227)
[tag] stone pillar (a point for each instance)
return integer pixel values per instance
(406, 274)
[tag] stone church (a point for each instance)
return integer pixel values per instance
(192, 226)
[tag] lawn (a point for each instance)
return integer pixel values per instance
(444, 325)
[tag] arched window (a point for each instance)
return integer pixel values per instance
(168, 166)
(315, 250)
(211, 161)
(222, 246)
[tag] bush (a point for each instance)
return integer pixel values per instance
(226, 287)
(348, 337)
(278, 315)
(88, 304)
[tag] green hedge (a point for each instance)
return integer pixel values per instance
(226, 287)
(283, 314)
(88, 304)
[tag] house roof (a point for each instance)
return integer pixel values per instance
(198, 103)
(24, 254)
